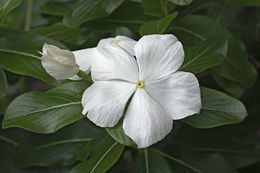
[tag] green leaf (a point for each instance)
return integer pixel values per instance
(86, 10)
(217, 109)
(210, 163)
(75, 86)
(119, 135)
(23, 51)
(58, 32)
(25, 64)
(43, 112)
(194, 29)
(24, 41)
(8, 165)
(157, 26)
(152, 7)
(248, 2)
(236, 67)
(102, 159)
(205, 56)
(128, 15)
(181, 2)
(3, 84)
(88, 149)
(154, 161)
(6, 6)
(231, 87)
(179, 166)
(54, 9)
(57, 149)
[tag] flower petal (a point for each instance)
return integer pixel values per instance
(178, 93)
(123, 42)
(158, 56)
(62, 56)
(112, 63)
(84, 60)
(105, 101)
(59, 65)
(145, 121)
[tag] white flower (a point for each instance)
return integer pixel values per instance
(122, 42)
(59, 63)
(84, 60)
(159, 92)
(84, 57)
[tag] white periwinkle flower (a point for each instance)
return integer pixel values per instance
(159, 92)
(119, 41)
(60, 64)
(84, 57)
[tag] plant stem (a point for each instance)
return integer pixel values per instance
(28, 17)
(146, 160)
(83, 75)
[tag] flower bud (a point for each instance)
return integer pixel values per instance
(60, 64)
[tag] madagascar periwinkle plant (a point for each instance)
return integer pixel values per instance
(129, 86)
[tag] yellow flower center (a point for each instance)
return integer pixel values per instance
(114, 41)
(140, 84)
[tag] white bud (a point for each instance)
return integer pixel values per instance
(60, 64)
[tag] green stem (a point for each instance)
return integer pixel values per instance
(8, 140)
(28, 17)
(83, 75)
(146, 160)
(177, 160)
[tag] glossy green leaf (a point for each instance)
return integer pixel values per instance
(75, 86)
(217, 109)
(128, 15)
(6, 6)
(25, 64)
(237, 67)
(58, 31)
(209, 54)
(181, 2)
(3, 84)
(102, 159)
(86, 10)
(57, 149)
(158, 26)
(231, 87)
(195, 29)
(43, 112)
(21, 56)
(24, 41)
(119, 135)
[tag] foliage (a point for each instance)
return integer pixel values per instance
(43, 130)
